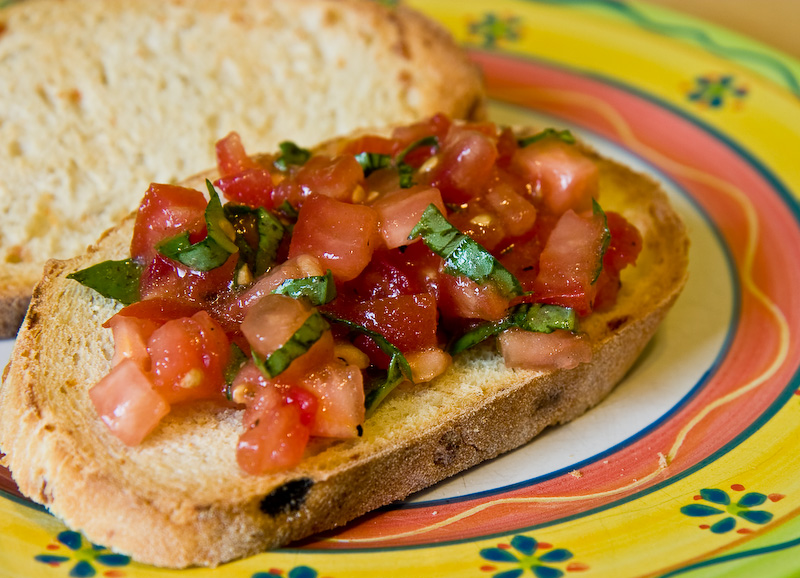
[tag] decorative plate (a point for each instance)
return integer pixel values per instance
(690, 466)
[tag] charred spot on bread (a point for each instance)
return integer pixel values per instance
(447, 449)
(287, 498)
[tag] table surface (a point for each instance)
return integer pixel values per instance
(773, 22)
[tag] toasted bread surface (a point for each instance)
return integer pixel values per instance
(100, 97)
(182, 487)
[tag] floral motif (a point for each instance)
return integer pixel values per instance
(296, 572)
(493, 28)
(742, 508)
(84, 555)
(525, 558)
(716, 90)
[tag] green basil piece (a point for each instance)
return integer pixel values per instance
(291, 154)
(371, 162)
(299, 343)
(535, 317)
(563, 135)
(406, 174)
(427, 141)
(598, 210)
(399, 370)
(117, 280)
(212, 251)
(319, 290)
(463, 255)
(259, 253)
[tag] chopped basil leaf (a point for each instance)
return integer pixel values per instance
(371, 162)
(298, 344)
(212, 251)
(406, 174)
(463, 255)
(291, 154)
(563, 135)
(427, 141)
(288, 210)
(258, 235)
(235, 363)
(598, 210)
(398, 371)
(113, 279)
(319, 290)
(536, 317)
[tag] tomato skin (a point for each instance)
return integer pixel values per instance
(158, 310)
(165, 211)
(563, 177)
(466, 161)
(231, 156)
(462, 297)
(188, 357)
(251, 187)
(339, 391)
(400, 210)
(130, 339)
(274, 442)
(529, 350)
(341, 235)
(570, 261)
(334, 177)
(438, 125)
(127, 404)
(626, 243)
(370, 144)
(164, 278)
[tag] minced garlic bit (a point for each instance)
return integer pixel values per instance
(482, 220)
(244, 276)
(226, 227)
(191, 379)
(359, 194)
(242, 393)
(351, 355)
(429, 165)
(373, 195)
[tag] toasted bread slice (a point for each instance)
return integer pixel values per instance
(100, 97)
(179, 499)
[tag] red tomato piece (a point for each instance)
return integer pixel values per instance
(528, 350)
(231, 156)
(334, 177)
(341, 235)
(168, 279)
(466, 161)
(560, 174)
(438, 126)
(516, 213)
(626, 243)
(158, 310)
(127, 404)
(462, 297)
(130, 339)
(400, 210)
(339, 391)
(165, 211)
(252, 187)
(275, 441)
(188, 358)
(370, 144)
(570, 262)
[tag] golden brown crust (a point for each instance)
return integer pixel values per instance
(199, 503)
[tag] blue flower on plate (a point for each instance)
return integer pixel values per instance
(742, 508)
(296, 572)
(83, 555)
(524, 558)
(715, 90)
(493, 28)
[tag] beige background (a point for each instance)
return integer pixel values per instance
(773, 22)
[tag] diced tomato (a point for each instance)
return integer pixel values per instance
(272, 321)
(428, 363)
(466, 161)
(393, 272)
(339, 390)
(252, 187)
(560, 173)
(462, 297)
(438, 126)
(570, 262)
(231, 156)
(400, 210)
(164, 278)
(159, 310)
(127, 404)
(165, 211)
(130, 339)
(275, 441)
(189, 356)
(341, 235)
(528, 350)
(370, 144)
(334, 177)
(506, 147)
(516, 213)
(625, 245)
(230, 312)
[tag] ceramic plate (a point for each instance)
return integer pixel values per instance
(690, 466)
